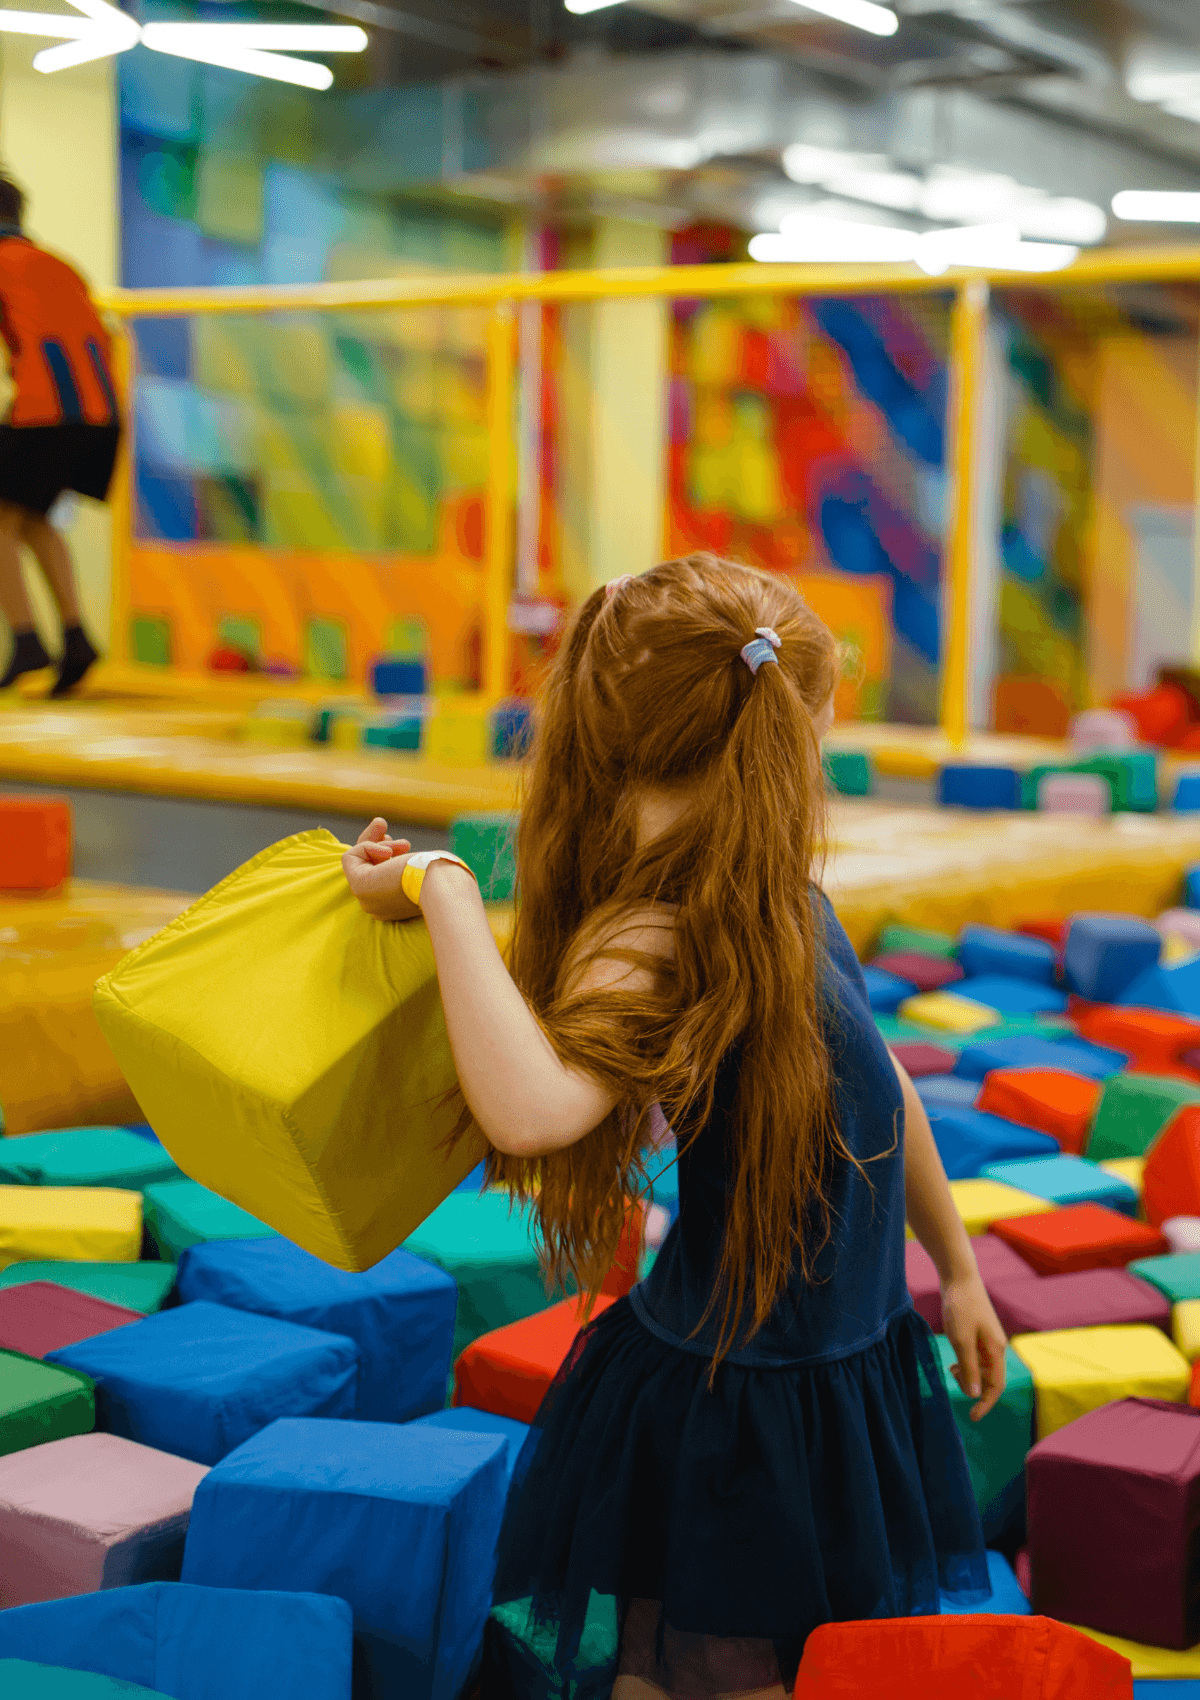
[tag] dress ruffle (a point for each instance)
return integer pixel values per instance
(773, 1501)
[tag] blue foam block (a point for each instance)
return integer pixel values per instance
(193, 1643)
(1187, 793)
(1074, 1056)
(1191, 887)
(968, 1140)
(1012, 996)
(199, 1380)
(946, 1089)
(400, 1520)
(400, 1313)
(475, 1181)
(965, 786)
(886, 991)
(1167, 1688)
(1065, 1180)
(1104, 954)
(398, 678)
(1176, 989)
(662, 1171)
(465, 1420)
(1006, 1597)
(991, 950)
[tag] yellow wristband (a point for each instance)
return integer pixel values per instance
(413, 877)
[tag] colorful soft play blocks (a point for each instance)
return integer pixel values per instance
(1091, 1298)
(1076, 1370)
(487, 843)
(1054, 1100)
(921, 972)
(1065, 1180)
(39, 1317)
(969, 785)
(1171, 1180)
(101, 1223)
(35, 843)
(995, 1447)
(510, 1370)
(1080, 1236)
(969, 1140)
(1105, 954)
(985, 951)
(1134, 1109)
(1154, 1039)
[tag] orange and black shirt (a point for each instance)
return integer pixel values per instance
(59, 353)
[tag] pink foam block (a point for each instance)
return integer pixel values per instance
(1180, 924)
(1088, 1298)
(1102, 729)
(37, 1317)
(92, 1511)
(1075, 794)
(924, 1287)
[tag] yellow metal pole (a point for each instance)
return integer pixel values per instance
(968, 329)
(498, 558)
(121, 503)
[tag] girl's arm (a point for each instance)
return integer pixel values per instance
(522, 1095)
(967, 1315)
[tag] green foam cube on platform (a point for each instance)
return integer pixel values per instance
(1132, 777)
(1133, 1111)
(136, 1286)
(1176, 1276)
(84, 1156)
(395, 735)
(150, 640)
(325, 652)
(20, 1679)
(848, 772)
(41, 1402)
(183, 1213)
(229, 196)
(995, 1447)
(487, 843)
(895, 936)
(489, 1249)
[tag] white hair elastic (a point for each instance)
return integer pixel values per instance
(761, 648)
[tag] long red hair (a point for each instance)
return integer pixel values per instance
(649, 689)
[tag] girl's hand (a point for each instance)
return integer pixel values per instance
(972, 1327)
(373, 871)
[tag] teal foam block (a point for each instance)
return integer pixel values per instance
(183, 1213)
(85, 1156)
(136, 1286)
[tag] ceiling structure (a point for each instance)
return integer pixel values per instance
(672, 111)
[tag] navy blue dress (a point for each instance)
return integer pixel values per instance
(820, 1477)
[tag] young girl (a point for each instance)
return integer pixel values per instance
(757, 1440)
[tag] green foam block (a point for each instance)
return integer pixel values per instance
(1177, 1277)
(848, 772)
(490, 1251)
(897, 937)
(183, 1213)
(136, 1286)
(84, 1156)
(1133, 1110)
(21, 1680)
(487, 843)
(41, 1402)
(995, 1447)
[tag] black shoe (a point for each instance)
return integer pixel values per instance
(27, 656)
(77, 656)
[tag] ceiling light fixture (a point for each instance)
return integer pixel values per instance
(861, 14)
(1158, 206)
(104, 31)
(806, 239)
(581, 6)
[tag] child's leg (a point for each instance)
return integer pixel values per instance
(27, 652)
(658, 1661)
(50, 549)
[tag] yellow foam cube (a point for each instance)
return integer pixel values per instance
(1075, 1370)
(982, 1202)
(456, 736)
(1127, 1169)
(1150, 1661)
(1185, 1328)
(291, 1054)
(946, 1012)
(74, 1224)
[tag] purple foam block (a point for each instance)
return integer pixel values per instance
(1089, 1298)
(924, 1287)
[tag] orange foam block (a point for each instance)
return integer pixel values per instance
(986, 1657)
(1050, 1099)
(1154, 1038)
(1081, 1236)
(35, 843)
(509, 1371)
(1171, 1178)
(626, 1265)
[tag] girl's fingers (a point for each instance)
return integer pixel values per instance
(967, 1368)
(375, 832)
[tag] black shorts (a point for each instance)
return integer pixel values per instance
(39, 462)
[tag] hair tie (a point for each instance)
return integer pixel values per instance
(615, 584)
(761, 648)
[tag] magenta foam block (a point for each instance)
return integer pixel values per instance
(40, 1317)
(924, 1288)
(92, 1511)
(1091, 1298)
(1113, 1504)
(920, 1060)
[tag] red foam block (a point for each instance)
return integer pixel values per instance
(1051, 1099)
(1081, 1236)
(1155, 1039)
(509, 1371)
(35, 843)
(959, 1658)
(1171, 1178)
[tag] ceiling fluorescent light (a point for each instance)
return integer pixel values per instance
(895, 189)
(276, 67)
(45, 23)
(804, 163)
(77, 53)
(861, 14)
(581, 6)
(990, 247)
(1158, 206)
(808, 240)
(288, 38)
(1061, 219)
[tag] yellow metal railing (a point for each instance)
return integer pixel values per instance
(970, 291)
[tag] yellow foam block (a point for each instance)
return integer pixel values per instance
(292, 1055)
(1127, 1169)
(1185, 1328)
(1077, 1369)
(1149, 1661)
(75, 1224)
(456, 737)
(982, 1202)
(946, 1012)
